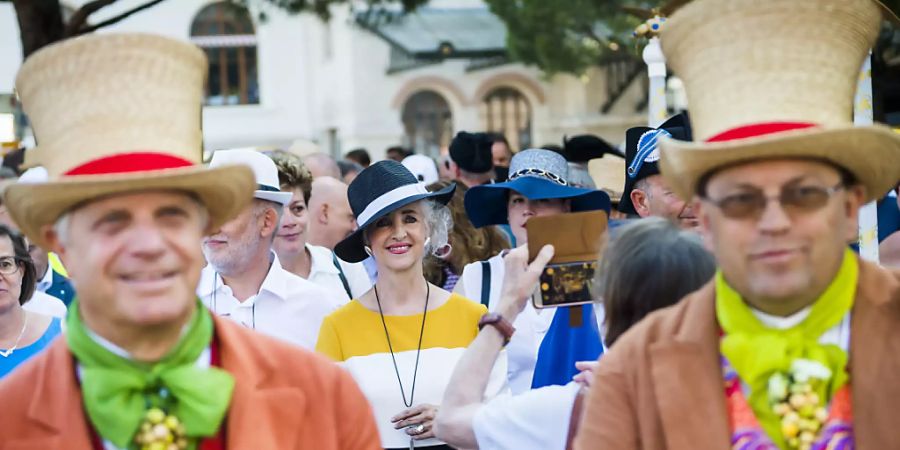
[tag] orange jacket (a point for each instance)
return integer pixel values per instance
(284, 398)
(660, 387)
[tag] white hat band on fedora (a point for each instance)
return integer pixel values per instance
(389, 198)
(775, 79)
(117, 114)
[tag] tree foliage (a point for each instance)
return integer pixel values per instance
(572, 35)
(41, 22)
(569, 35)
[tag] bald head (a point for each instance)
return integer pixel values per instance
(331, 219)
(322, 165)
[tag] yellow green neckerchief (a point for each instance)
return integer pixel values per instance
(757, 352)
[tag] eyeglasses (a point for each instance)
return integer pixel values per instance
(793, 199)
(9, 265)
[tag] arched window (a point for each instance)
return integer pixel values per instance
(505, 110)
(428, 123)
(225, 32)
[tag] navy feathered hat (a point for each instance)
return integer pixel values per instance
(642, 153)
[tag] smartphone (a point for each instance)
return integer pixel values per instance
(567, 284)
(578, 240)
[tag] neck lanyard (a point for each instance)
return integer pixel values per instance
(412, 392)
(215, 311)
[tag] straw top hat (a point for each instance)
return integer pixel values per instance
(114, 114)
(775, 79)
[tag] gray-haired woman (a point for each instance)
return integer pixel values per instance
(402, 339)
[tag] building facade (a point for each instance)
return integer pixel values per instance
(370, 80)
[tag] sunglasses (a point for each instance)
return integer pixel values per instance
(795, 200)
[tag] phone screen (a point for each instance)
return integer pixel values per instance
(567, 284)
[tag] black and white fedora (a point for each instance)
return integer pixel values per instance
(379, 190)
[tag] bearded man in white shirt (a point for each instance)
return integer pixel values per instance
(244, 279)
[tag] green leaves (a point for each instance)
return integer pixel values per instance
(568, 35)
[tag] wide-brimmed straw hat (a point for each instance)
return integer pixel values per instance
(115, 114)
(772, 79)
(377, 191)
(537, 175)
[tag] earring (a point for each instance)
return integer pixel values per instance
(443, 251)
(368, 250)
(427, 241)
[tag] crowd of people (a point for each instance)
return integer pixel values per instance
(267, 299)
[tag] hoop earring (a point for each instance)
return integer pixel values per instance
(427, 241)
(368, 250)
(443, 251)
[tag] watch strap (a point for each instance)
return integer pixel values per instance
(500, 323)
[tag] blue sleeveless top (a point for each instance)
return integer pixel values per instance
(20, 355)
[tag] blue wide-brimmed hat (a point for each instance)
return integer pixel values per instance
(377, 191)
(537, 175)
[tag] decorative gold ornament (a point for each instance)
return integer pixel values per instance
(650, 28)
(161, 431)
(794, 400)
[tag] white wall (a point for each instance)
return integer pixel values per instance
(10, 48)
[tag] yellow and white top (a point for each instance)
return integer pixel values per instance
(354, 336)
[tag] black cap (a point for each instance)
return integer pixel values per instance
(642, 153)
(585, 147)
(472, 152)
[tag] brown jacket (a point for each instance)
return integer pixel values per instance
(661, 387)
(284, 398)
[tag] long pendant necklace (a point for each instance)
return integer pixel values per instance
(7, 352)
(412, 392)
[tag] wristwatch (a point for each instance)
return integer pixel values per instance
(500, 324)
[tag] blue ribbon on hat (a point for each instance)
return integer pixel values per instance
(647, 144)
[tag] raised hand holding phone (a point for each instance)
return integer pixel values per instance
(578, 240)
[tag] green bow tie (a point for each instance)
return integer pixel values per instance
(117, 391)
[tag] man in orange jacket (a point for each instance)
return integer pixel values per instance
(143, 364)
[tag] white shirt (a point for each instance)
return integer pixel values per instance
(323, 272)
(46, 304)
(531, 325)
(44, 283)
(287, 306)
(837, 335)
(537, 419)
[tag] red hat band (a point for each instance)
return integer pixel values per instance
(128, 163)
(758, 129)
